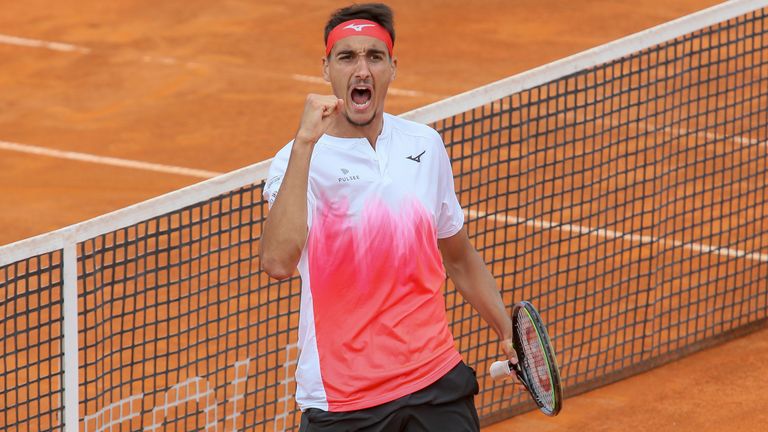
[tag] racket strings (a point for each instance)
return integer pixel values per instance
(535, 361)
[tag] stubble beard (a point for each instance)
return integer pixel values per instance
(360, 124)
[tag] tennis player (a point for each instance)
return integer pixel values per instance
(363, 203)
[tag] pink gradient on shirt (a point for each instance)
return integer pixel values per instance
(379, 310)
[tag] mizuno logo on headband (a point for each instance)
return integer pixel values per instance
(359, 27)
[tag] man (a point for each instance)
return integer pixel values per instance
(363, 203)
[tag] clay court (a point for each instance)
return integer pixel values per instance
(106, 104)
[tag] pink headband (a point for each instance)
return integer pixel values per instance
(358, 27)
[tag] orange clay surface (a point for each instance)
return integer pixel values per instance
(220, 85)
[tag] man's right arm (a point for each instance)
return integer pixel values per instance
(285, 230)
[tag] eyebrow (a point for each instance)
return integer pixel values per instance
(349, 51)
(375, 51)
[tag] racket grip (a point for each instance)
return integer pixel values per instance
(500, 369)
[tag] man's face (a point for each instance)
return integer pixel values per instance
(359, 69)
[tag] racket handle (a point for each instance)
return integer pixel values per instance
(500, 369)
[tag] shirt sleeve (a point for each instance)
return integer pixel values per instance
(276, 174)
(450, 217)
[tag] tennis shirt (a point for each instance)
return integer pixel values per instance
(372, 325)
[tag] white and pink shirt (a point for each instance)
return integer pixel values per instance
(373, 325)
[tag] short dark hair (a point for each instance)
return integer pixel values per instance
(376, 12)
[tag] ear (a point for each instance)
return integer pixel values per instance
(394, 67)
(326, 75)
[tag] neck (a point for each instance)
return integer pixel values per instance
(345, 129)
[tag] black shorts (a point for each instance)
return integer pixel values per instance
(447, 405)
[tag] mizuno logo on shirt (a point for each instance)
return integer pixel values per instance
(416, 158)
(358, 27)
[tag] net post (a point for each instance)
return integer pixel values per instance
(71, 364)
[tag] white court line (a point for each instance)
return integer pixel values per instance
(36, 43)
(105, 160)
(675, 132)
(65, 47)
(614, 235)
(169, 61)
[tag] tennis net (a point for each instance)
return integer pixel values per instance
(621, 190)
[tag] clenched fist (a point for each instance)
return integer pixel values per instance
(320, 111)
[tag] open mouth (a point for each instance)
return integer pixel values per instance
(361, 97)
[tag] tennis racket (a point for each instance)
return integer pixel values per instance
(537, 366)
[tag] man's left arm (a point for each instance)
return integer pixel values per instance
(477, 285)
